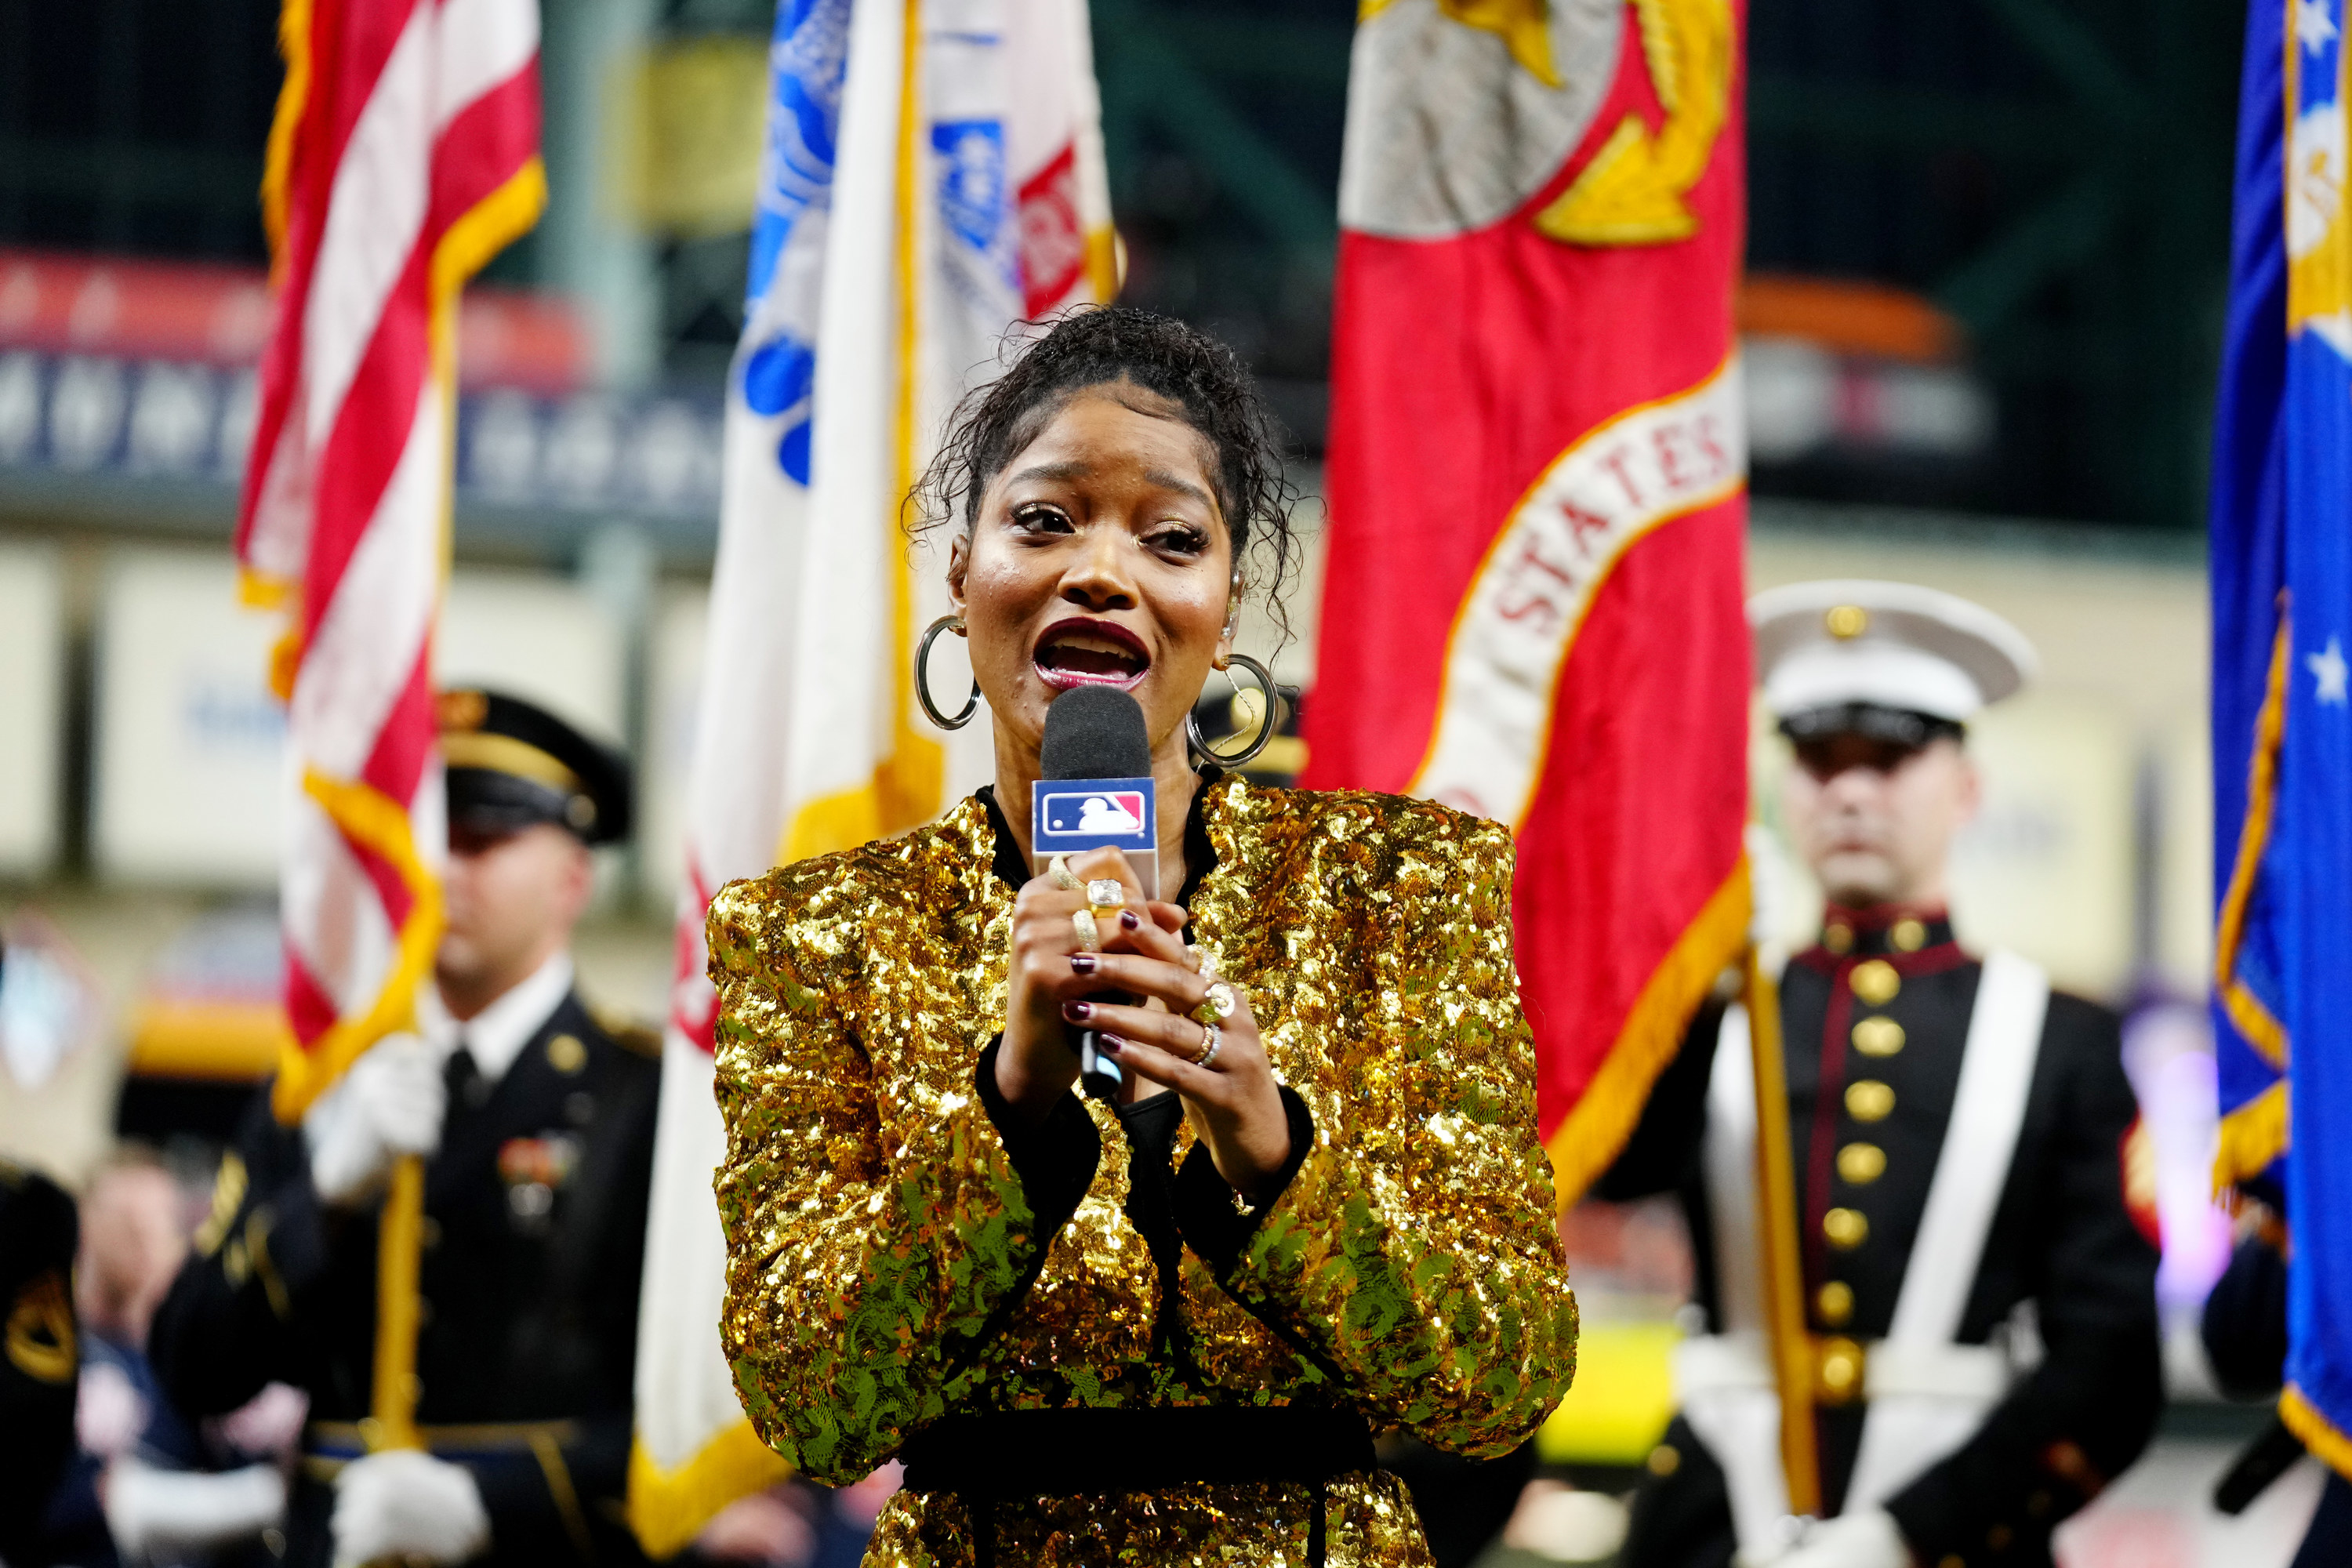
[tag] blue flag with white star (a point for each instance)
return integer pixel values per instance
(2281, 582)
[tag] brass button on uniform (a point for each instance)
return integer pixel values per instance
(1845, 1229)
(1837, 1372)
(1907, 935)
(1833, 1303)
(1664, 1459)
(1878, 1037)
(1874, 981)
(1867, 1099)
(1838, 938)
(566, 1054)
(1846, 622)
(1859, 1164)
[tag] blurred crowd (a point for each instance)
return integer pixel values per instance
(143, 1486)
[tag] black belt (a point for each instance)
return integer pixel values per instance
(1064, 1453)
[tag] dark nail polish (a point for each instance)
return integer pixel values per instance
(1130, 920)
(1078, 1012)
(1082, 962)
(1110, 1043)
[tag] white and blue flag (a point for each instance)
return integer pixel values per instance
(932, 174)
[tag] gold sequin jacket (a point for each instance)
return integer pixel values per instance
(896, 1257)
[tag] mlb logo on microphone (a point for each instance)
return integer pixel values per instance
(1092, 814)
(1119, 812)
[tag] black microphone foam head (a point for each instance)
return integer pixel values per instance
(1096, 733)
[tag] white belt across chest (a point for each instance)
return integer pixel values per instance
(1927, 1395)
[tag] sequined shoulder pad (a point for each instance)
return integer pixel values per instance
(1394, 822)
(810, 904)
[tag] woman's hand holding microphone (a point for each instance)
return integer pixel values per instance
(1218, 1067)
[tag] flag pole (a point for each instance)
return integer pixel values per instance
(400, 1240)
(1776, 1229)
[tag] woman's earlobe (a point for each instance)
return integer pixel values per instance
(958, 564)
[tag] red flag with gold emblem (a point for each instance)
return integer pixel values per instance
(1537, 477)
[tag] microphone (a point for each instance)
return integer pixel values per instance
(1096, 793)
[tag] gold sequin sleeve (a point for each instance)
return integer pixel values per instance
(1416, 1255)
(872, 1246)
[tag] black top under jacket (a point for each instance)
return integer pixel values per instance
(39, 1368)
(2061, 1239)
(534, 1240)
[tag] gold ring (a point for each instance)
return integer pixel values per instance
(1211, 1039)
(1058, 868)
(1089, 934)
(1106, 895)
(1219, 1005)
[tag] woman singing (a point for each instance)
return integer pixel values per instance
(1162, 1330)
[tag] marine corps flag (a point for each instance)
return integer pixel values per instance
(1536, 472)
(2282, 576)
(932, 173)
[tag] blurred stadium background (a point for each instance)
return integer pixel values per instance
(1987, 246)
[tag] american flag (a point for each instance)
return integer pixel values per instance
(405, 155)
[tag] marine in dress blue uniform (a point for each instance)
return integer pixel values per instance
(1978, 1160)
(539, 1113)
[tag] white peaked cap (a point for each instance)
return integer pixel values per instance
(1890, 645)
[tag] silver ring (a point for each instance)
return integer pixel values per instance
(1058, 868)
(1211, 1039)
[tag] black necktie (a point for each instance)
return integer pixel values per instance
(468, 1087)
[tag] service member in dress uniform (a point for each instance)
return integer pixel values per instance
(2245, 1334)
(536, 1116)
(38, 1352)
(1981, 1302)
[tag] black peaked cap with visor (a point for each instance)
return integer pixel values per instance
(512, 764)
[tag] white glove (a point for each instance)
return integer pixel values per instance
(389, 1104)
(404, 1504)
(1866, 1540)
(178, 1513)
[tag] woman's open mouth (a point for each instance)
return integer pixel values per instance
(1083, 652)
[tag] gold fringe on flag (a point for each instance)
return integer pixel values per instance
(1595, 1131)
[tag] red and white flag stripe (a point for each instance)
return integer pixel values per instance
(405, 155)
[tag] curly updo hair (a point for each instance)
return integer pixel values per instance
(1100, 345)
